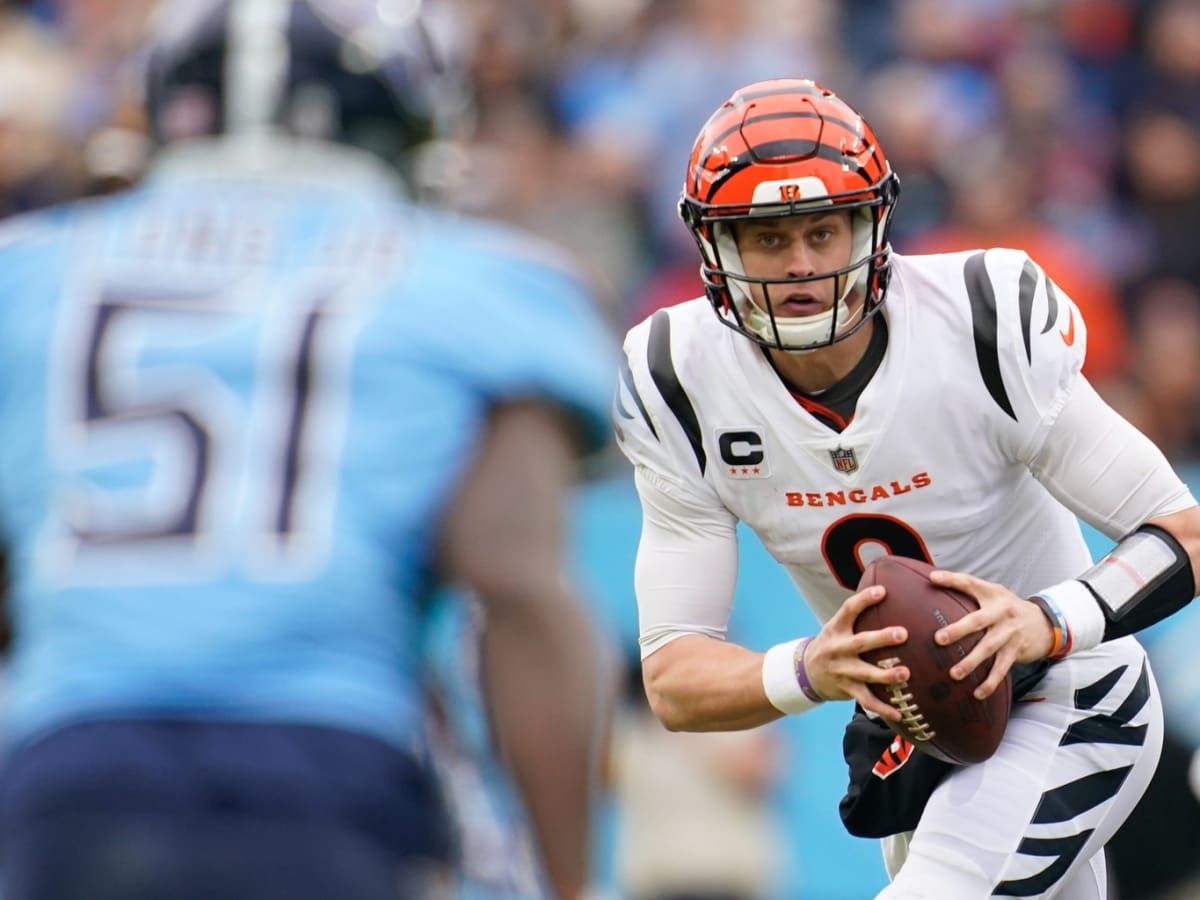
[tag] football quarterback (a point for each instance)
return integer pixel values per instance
(845, 401)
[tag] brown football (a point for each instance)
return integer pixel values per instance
(941, 717)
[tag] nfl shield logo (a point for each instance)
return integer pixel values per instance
(843, 459)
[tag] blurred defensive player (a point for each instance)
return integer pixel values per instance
(252, 412)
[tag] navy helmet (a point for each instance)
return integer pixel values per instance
(359, 72)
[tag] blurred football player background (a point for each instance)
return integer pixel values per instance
(258, 407)
(1069, 128)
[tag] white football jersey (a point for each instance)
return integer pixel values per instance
(983, 352)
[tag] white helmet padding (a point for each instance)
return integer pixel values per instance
(807, 332)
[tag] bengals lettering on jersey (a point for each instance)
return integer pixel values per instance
(983, 350)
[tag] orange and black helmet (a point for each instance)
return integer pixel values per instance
(789, 147)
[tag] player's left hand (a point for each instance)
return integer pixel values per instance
(1014, 630)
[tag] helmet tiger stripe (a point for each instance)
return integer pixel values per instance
(787, 147)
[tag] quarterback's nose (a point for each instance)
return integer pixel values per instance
(800, 261)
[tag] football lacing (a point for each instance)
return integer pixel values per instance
(912, 717)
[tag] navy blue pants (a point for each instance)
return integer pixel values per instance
(181, 810)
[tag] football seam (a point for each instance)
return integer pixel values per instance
(900, 697)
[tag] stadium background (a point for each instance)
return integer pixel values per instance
(1070, 128)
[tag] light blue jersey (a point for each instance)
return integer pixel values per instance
(231, 414)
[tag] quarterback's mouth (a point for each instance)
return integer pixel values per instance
(799, 305)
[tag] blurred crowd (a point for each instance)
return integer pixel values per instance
(1070, 128)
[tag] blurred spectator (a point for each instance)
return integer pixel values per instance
(1162, 157)
(695, 52)
(100, 115)
(924, 133)
(1161, 394)
(106, 38)
(995, 189)
(514, 50)
(965, 32)
(1172, 47)
(1070, 137)
(523, 170)
(38, 163)
(1099, 38)
(695, 818)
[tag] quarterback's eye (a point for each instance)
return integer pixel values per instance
(768, 240)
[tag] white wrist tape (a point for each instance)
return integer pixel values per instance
(780, 682)
(1080, 611)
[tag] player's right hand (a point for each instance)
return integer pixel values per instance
(836, 669)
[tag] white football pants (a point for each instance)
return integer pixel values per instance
(1032, 821)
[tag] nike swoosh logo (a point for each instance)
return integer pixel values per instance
(1068, 336)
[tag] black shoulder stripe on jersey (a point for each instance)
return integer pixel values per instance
(1029, 279)
(983, 318)
(662, 370)
(1052, 305)
(627, 378)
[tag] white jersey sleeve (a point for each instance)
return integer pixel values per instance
(1104, 470)
(687, 557)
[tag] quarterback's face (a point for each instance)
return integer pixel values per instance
(796, 246)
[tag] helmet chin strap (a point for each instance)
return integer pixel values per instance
(799, 333)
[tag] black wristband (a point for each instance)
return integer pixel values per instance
(1143, 580)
